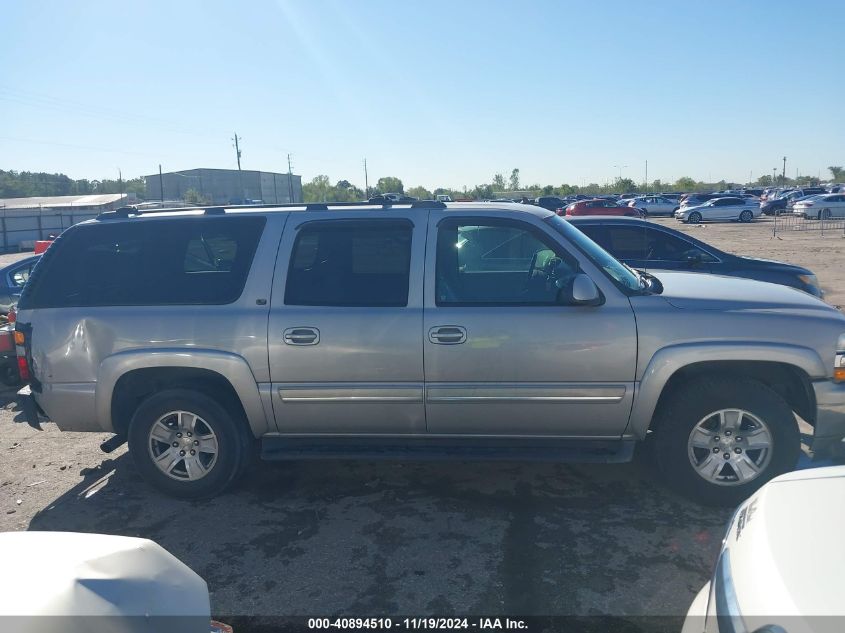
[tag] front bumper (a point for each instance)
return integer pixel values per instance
(829, 436)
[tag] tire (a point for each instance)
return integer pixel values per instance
(693, 408)
(694, 218)
(208, 472)
(746, 216)
(824, 214)
(644, 213)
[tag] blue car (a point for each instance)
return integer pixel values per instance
(12, 279)
(646, 245)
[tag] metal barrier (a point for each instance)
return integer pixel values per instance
(21, 227)
(788, 221)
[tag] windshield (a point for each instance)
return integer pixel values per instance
(618, 272)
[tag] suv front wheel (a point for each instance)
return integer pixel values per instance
(187, 444)
(717, 441)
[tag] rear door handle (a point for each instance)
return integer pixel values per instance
(447, 334)
(301, 336)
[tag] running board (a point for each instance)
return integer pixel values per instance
(441, 449)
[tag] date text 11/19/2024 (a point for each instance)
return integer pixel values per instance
(419, 624)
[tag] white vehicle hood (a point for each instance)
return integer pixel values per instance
(134, 582)
(702, 291)
(787, 549)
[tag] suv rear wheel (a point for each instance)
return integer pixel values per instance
(187, 444)
(717, 441)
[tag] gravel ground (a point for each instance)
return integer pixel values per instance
(386, 538)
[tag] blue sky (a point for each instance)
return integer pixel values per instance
(438, 93)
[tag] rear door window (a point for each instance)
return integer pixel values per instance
(348, 263)
(191, 261)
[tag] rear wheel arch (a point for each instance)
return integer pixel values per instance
(137, 385)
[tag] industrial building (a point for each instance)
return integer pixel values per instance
(25, 220)
(225, 186)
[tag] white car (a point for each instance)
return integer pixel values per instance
(821, 207)
(782, 563)
(654, 205)
(62, 582)
(733, 209)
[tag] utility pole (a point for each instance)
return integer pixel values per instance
(774, 176)
(120, 180)
(366, 182)
(161, 182)
(240, 176)
(784, 171)
(290, 181)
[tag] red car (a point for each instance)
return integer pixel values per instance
(598, 206)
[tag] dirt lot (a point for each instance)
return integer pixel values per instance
(382, 538)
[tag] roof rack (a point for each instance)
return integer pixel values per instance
(129, 211)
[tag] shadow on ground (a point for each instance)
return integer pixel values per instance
(387, 538)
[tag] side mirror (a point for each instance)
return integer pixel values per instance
(582, 292)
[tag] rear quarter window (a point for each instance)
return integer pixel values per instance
(192, 261)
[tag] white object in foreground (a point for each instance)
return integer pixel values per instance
(68, 582)
(782, 562)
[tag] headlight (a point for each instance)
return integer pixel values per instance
(809, 280)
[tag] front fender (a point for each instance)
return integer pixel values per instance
(231, 366)
(669, 360)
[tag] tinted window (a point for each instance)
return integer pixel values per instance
(147, 262)
(19, 276)
(643, 244)
(499, 263)
(350, 263)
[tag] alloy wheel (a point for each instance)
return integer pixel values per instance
(183, 446)
(730, 447)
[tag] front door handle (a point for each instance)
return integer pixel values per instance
(301, 336)
(447, 334)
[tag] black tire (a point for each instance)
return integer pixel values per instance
(694, 218)
(233, 443)
(746, 216)
(824, 214)
(690, 404)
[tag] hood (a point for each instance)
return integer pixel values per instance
(772, 572)
(702, 291)
(773, 264)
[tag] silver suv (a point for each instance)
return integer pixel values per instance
(461, 330)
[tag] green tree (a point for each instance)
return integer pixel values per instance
(390, 184)
(625, 185)
(317, 190)
(499, 182)
(685, 184)
(483, 192)
(764, 181)
(837, 172)
(420, 192)
(514, 179)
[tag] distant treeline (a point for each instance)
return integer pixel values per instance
(25, 184)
